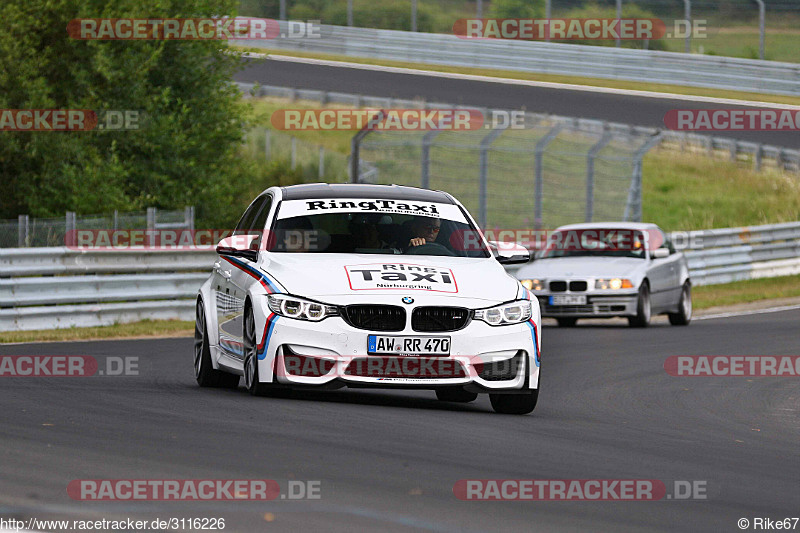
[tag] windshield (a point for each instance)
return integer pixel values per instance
(595, 243)
(366, 226)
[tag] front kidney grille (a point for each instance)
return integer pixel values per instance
(438, 319)
(376, 317)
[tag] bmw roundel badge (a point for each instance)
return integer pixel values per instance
(408, 300)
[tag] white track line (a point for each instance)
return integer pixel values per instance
(526, 83)
(750, 312)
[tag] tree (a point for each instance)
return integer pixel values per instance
(186, 149)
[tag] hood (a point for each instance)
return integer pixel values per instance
(582, 267)
(320, 275)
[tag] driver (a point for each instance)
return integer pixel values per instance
(424, 230)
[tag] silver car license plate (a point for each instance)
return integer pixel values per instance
(392, 345)
(568, 299)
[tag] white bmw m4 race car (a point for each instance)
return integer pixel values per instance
(350, 285)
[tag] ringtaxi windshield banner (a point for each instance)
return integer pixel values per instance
(296, 208)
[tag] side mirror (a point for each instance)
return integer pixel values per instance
(660, 253)
(509, 253)
(238, 246)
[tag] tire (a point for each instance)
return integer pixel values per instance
(251, 379)
(514, 404)
(204, 371)
(684, 314)
(567, 322)
(643, 309)
(456, 394)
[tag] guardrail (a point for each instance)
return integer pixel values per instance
(735, 254)
(649, 66)
(49, 288)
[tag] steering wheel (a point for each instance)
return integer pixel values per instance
(431, 248)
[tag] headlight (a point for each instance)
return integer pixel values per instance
(302, 309)
(505, 314)
(613, 283)
(533, 284)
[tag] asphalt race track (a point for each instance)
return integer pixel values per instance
(389, 459)
(624, 108)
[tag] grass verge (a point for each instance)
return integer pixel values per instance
(740, 292)
(551, 78)
(145, 328)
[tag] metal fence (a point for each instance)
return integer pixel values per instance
(550, 172)
(314, 161)
(648, 66)
(36, 232)
(49, 288)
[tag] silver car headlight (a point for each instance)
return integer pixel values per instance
(300, 308)
(613, 284)
(533, 284)
(505, 314)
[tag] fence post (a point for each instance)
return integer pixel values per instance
(633, 207)
(538, 188)
(687, 14)
(548, 12)
(188, 218)
(413, 15)
(619, 22)
(483, 209)
(761, 28)
(757, 157)
(116, 220)
(151, 225)
(349, 12)
(425, 177)
(479, 9)
(267, 150)
(321, 162)
(282, 10)
(593, 151)
(355, 145)
(23, 230)
(294, 152)
(70, 224)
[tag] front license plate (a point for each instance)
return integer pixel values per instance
(387, 344)
(568, 299)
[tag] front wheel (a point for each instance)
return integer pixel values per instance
(643, 310)
(204, 371)
(684, 314)
(515, 404)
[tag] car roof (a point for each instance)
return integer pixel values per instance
(363, 190)
(641, 226)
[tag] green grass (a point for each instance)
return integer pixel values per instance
(740, 292)
(551, 78)
(145, 328)
(779, 45)
(686, 191)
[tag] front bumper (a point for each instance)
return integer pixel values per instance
(597, 305)
(331, 353)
